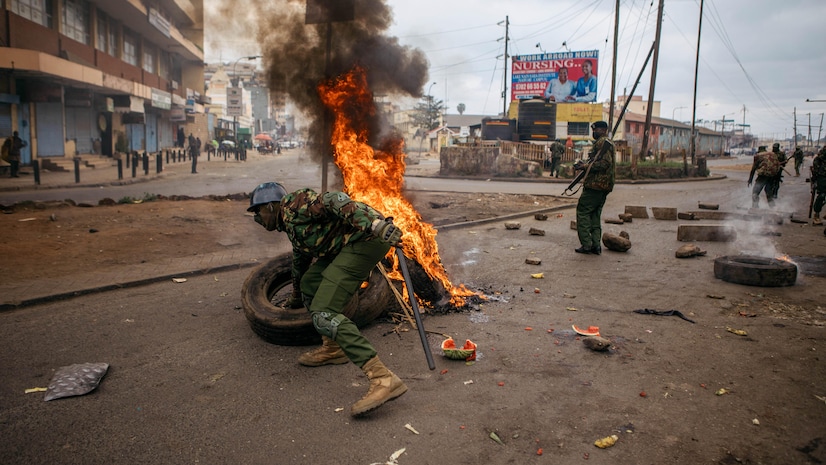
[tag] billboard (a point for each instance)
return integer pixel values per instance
(564, 77)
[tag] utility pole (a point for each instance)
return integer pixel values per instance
(810, 129)
(795, 124)
(820, 128)
(647, 129)
(505, 74)
(614, 70)
(694, 105)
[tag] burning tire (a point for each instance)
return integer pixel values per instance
(755, 271)
(268, 287)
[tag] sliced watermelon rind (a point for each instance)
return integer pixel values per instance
(591, 331)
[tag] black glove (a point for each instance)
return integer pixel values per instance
(579, 166)
(387, 232)
(295, 301)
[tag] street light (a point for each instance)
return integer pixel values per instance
(675, 110)
(237, 82)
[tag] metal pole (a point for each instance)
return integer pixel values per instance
(415, 307)
(694, 105)
(650, 107)
(614, 70)
(505, 73)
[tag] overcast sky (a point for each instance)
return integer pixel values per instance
(764, 55)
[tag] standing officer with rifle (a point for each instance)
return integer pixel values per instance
(818, 186)
(598, 174)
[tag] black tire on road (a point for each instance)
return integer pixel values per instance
(268, 287)
(755, 271)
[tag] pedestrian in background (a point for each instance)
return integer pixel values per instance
(14, 153)
(596, 185)
(336, 244)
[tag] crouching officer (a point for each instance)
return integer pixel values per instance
(347, 239)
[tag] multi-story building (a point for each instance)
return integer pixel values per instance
(106, 76)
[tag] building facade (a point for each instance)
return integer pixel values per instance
(101, 76)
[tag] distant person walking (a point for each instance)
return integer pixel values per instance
(557, 149)
(14, 153)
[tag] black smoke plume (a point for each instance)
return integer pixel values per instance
(295, 53)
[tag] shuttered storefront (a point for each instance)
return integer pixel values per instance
(49, 118)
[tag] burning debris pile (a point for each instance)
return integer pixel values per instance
(376, 176)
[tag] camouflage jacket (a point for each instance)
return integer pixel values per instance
(765, 164)
(321, 225)
(601, 174)
(819, 165)
(557, 150)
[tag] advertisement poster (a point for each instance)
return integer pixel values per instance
(565, 77)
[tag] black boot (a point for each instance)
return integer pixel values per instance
(583, 249)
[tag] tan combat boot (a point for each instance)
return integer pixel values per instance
(329, 353)
(384, 386)
(816, 220)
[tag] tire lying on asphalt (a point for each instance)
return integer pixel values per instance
(267, 288)
(752, 270)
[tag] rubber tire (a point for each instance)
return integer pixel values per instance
(752, 270)
(293, 326)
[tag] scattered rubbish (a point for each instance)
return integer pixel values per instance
(590, 331)
(688, 251)
(721, 392)
(571, 309)
(648, 311)
(596, 343)
(467, 352)
(643, 394)
(538, 275)
(512, 225)
(568, 296)
(75, 380)
(713, 296)
(53, 217)
(536, 290)
(26, 219)
(755, 422)
(536, 232)
(339, 409)
(739, 332)
(539, 451)
(606, 442)
(500, 384)
(821, 398)
(35, 389)
(528, 328)
(393, 458)
(540, 217)
(93, 230)
(533, 261)
(495, 437)
(443, 372)
(708, 206)
(412, 429)
(470, 381)
(179, 280)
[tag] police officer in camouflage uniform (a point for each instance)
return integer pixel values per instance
(557, 149)
(819, 184)
(781, 158)
(597, 184)
(347, 239)
(766, 165)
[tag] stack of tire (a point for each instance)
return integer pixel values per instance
(536, 120)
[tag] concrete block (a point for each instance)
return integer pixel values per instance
(664, 213)
(706, 232)
(637, 212)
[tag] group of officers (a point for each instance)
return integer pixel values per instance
(769, 167)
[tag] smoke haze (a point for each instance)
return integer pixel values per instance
(295, 53)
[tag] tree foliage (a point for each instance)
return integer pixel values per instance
(426, 114)
(460, 108)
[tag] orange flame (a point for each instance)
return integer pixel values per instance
(375, 177)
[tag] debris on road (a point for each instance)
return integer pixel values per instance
(512, 225)
(606, 442)
(536, 232)
(540, 217)
(739, 332)
(537, 275)
(596, 343)
(495, 437)
(533, 261)
(412, 429)
(75, 380)
(616, 243)
(648, 311)
(688, 251)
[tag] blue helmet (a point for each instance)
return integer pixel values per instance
(266, 193)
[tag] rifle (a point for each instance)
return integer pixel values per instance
(583, 172)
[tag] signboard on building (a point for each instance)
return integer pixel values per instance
(160, 23)
(571, 76)
(161, 99)
(235, 101)
(177, 115)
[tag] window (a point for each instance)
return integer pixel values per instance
(38, 11)
(163, 65)
(102, 29)
(578, 129)
(76, 20)
(112, 45)
(148, 58)
(130, 48)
